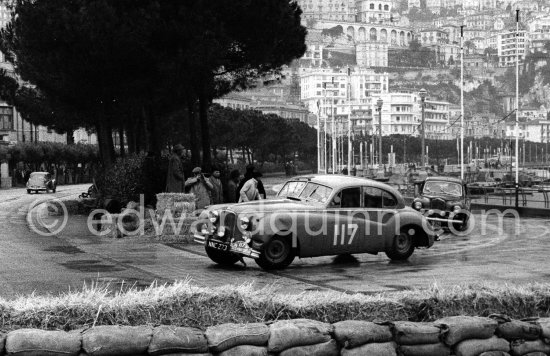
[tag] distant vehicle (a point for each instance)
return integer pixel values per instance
(316, 215)
(444, 201)
(41, 181)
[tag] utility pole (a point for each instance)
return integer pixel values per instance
(517, 106)
(462, 101)
(350, 158)
(422, 94)
(379, 104)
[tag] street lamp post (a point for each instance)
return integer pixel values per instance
(422, 95)
(379, 103)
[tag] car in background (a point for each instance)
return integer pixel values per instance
(41, 181)
(314, 215)
(445, 202)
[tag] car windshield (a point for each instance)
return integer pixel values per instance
(307, 191)
(442, 187)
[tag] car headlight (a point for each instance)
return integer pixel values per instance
(244, 222)
(456, 209)
(221, 231)
(417, 205)
(213, 216)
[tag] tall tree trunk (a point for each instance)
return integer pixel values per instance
(205, 133)
(231, 155)
(105, 143)
(195, 151)
(249, 156)
(153, 139)
(131, 137)
(121, 140)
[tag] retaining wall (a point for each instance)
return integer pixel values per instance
(459, 335)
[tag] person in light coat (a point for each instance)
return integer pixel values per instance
(249, 191)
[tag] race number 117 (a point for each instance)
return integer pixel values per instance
(343, 231)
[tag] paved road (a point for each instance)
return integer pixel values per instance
(31, 263)
(501, 252)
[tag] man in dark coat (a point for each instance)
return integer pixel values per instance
(175, 178)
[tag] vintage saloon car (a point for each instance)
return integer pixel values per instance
(444, 201)
(311, 216)
(39, 181)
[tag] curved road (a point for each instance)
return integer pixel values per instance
(497, 250)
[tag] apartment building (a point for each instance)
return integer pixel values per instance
(507, 43)
(402, 114)
(327, 91)
(433, 36)
(334, 10)
(374, 11)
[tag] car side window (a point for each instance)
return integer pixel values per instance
(372, 197)
(347, 198)
(351, 198)
(388, 200)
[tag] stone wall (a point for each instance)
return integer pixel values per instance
(459, 335)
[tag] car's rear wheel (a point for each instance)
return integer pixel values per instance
(276, 254)
(403, 245)
(221, 257)
(29, 191)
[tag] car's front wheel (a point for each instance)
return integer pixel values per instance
(463, 226)
(276, 254)
(221, 257)
(29, 191)
(403, 245)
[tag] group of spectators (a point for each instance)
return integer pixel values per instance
(211, 188)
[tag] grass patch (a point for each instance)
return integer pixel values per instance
(183, 303)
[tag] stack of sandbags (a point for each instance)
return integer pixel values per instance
(419, 339)
(174, 213)
(238, 339)
(111, 340)
(177, 203)
(173, 340)
(472, 336)
(302, 337)
(357, 337)
(525, 337)
(42, 342)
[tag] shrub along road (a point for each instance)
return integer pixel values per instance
(30, 262)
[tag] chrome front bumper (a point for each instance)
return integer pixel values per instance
(239, 247)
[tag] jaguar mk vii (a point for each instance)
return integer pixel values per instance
(314, 215)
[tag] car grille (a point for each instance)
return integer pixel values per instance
(229, 220)
(438, 204)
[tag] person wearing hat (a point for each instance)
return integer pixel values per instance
(175, 178)
(201, 187)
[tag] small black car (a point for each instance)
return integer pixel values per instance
(444, 201)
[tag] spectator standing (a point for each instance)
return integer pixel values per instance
(250, 171)
(232, 186)
(217, 191)
(201, 187)
(175, 178)
(249, 191)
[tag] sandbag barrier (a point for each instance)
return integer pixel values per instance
(496, 335)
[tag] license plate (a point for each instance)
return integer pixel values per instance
(218, 246)
(239, 244)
